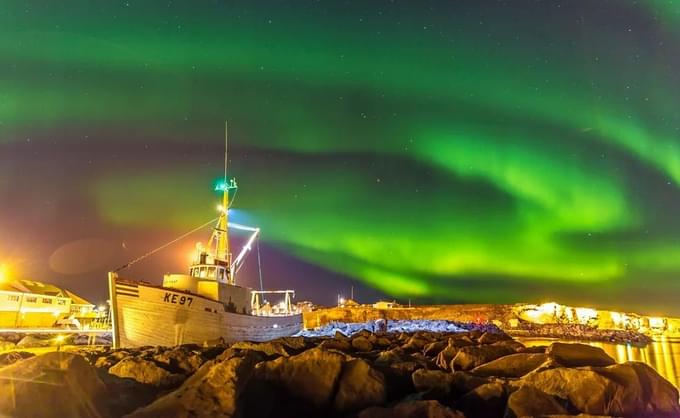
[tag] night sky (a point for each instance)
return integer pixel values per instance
(451, 151)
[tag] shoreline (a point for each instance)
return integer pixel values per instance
(558, 332)
(41, 339)
(461, 371)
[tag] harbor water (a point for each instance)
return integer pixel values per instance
(663, 354)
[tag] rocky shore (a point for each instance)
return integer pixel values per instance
(21, 340)
(580, 332)
(464, 373)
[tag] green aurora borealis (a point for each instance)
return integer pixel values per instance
(445, 151)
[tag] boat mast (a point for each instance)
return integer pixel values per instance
(222, 252)
(220, 236)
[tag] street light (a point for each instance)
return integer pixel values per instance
(59, 340)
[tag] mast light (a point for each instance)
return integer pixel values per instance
(225, 186)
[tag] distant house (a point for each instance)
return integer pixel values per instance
(33, 304)
(305, 306)
(350, 303)
(383, 304)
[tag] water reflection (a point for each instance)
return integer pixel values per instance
(662, 354)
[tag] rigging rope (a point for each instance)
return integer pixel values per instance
(259, 267)
(231, 201)
(140, 258)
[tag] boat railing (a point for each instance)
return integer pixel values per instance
(262, 307)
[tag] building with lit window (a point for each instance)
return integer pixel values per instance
(32, 304)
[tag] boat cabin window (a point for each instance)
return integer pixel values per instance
(208, 272)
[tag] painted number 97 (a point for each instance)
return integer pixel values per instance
(177, 299)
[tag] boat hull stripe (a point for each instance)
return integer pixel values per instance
(125, 293)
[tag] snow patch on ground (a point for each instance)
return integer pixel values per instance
(392, 326)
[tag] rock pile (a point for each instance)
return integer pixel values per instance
(366, 375)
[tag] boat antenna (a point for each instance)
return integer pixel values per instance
(226, 147)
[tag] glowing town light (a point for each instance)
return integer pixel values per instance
(585, 314)
(548, 308)
(4, 275)
(655, 322)
(59, 339)
(533, 314)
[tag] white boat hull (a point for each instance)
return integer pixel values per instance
(144, 315)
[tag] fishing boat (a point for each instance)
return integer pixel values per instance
(204, 305)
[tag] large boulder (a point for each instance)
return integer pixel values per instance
(366, 334)
(340, 344)
(269, 348)
(107, 360)
(577, 355)
(472, 356)
(412, 409)
(145, 372)
(362, 344)
(13, 356)
(52, 385)
(181, 359)
(382, 342)
(587, 390)
(641, 391)
(487, 400)
(463, 382)
(360, 386)
(515, 346)
(295, 344)
(215, 390)
(436, 383)
(463, 340)
(512, 365)
(573, 416)
(11, 337)
(405, 368)
(529, 401)
(493, 337)
(33, 341)
(388, 357)
(311, 376)
(433, 349)
(536, 349)
(447, 354)
(6, 345)
(416, 343)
